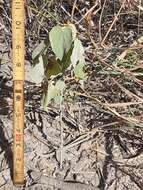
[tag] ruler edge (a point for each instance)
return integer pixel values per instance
(15, 79)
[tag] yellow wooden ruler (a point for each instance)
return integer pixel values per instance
(18, 31)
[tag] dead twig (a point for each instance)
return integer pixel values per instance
(115, 19)
(73, 9)
(128, 120)
(100, 20)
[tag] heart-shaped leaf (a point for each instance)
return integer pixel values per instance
(60, 85)
(53, 67)
(36, 72)
(47, 97)
(53, 93)
(77, 52)
(67, 35)
(66, 61)
(79, 69)
(74, 31)
(61, 40)
(57, 41)
(38, 50)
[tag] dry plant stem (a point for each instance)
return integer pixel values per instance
(48, 13)
(79, 117)
(135, 45)
(90, 10)
(115, 19)
(86, 136)
(113, 111)
(129, 93)
(140, 7)
(40, 24)
(100, 20)
(83, 139)
(82, 172)
(4, 28)
(88, 32)
(73, 9)
(7, 16)
(126, 104)
(125, 71)
(42, 9)
(137, 67)
(69, 15)
(61, 129)
(40, 140)
(139, 15)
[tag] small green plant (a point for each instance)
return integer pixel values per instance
(68, 54)
(130, 61)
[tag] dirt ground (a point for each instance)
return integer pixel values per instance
(97, 144)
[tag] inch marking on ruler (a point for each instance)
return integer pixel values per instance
(18, 146)
(18, 19)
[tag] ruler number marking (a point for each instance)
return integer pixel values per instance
(18, 31)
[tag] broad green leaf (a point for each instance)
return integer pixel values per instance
(74, 31)
(66, 61)
(53, 93)
(79, 69)
(57, 41)
(43, 101)
(36, 72)
(67, 35)
(77, 52)
(47, 97)
(60, 85)
(58, 99)
(53, 67)
(61, 40)
(38, 50)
